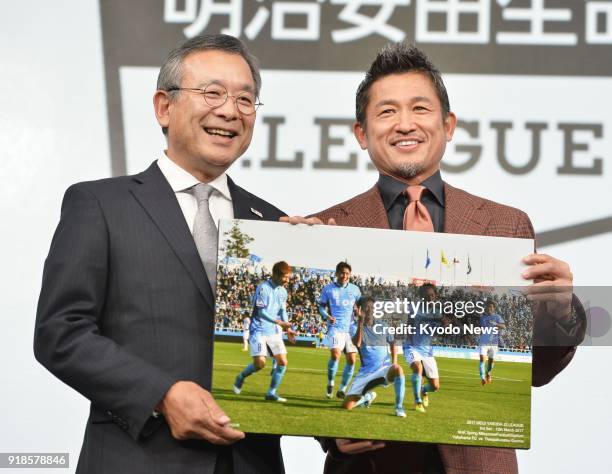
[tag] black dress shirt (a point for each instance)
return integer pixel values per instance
(395, 200)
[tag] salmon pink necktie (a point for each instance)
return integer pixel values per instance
(416, 216)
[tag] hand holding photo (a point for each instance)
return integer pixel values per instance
(373, 332)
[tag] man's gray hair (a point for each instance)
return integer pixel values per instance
(170, 74)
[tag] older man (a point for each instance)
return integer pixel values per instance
(404, 122)
(125, 315)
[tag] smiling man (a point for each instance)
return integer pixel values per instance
(404, 122)
(126, 309)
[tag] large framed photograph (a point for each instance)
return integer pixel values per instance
(375, 334)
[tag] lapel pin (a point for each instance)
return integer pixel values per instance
(257, 213)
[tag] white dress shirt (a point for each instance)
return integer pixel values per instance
(220, 202)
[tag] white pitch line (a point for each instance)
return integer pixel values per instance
(496, 377)
(318, 371)
(293, 369)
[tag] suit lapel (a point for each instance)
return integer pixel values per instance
(155, 195)
(464, 213)
(366, 210)
(244, 207)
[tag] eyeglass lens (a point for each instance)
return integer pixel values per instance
(215, 95)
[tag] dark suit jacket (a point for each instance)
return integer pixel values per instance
(124, 312)
(464, 214)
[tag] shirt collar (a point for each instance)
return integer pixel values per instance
(390, 188)
(181, 180)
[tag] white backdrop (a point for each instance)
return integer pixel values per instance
(54, 132)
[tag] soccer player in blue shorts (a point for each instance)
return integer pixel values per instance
(336, 306)
(489, 341)
(269, 315)
(418, 350)
(378, 368)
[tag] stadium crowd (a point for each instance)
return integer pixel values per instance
(236, 287)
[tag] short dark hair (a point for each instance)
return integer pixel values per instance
(398, 58)
(171, 72)
(342, 265)
(426, 286)
(491, 302)
(364, 300)
(281, 268)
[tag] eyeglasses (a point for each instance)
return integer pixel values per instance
(215, 95)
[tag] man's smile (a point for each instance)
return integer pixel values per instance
(220, 132)
(406, 144)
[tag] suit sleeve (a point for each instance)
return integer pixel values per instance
(553, 346)
(68, 337)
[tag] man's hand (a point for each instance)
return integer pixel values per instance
(294, 220)
(351, 446)
(331, 319)
(291, 335)
(544, 268)
(286, 325)
(192, 413)
(552, 284)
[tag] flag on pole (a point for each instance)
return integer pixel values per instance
(456, 261)
(427, 260)
(443, 258)
(469, 266)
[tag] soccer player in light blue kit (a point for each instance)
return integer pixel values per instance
(377, 366)
(418, 350)
(489, 341)
(336, 306)
(269, 314)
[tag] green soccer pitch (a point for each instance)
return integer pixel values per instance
(462, 407)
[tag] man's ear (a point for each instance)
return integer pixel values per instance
(360, 135)
(450, 122)
(161, 105)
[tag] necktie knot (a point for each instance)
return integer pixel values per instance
(416, 215)
(415, 192)
(202, 192)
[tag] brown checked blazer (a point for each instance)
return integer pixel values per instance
(464, 214)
